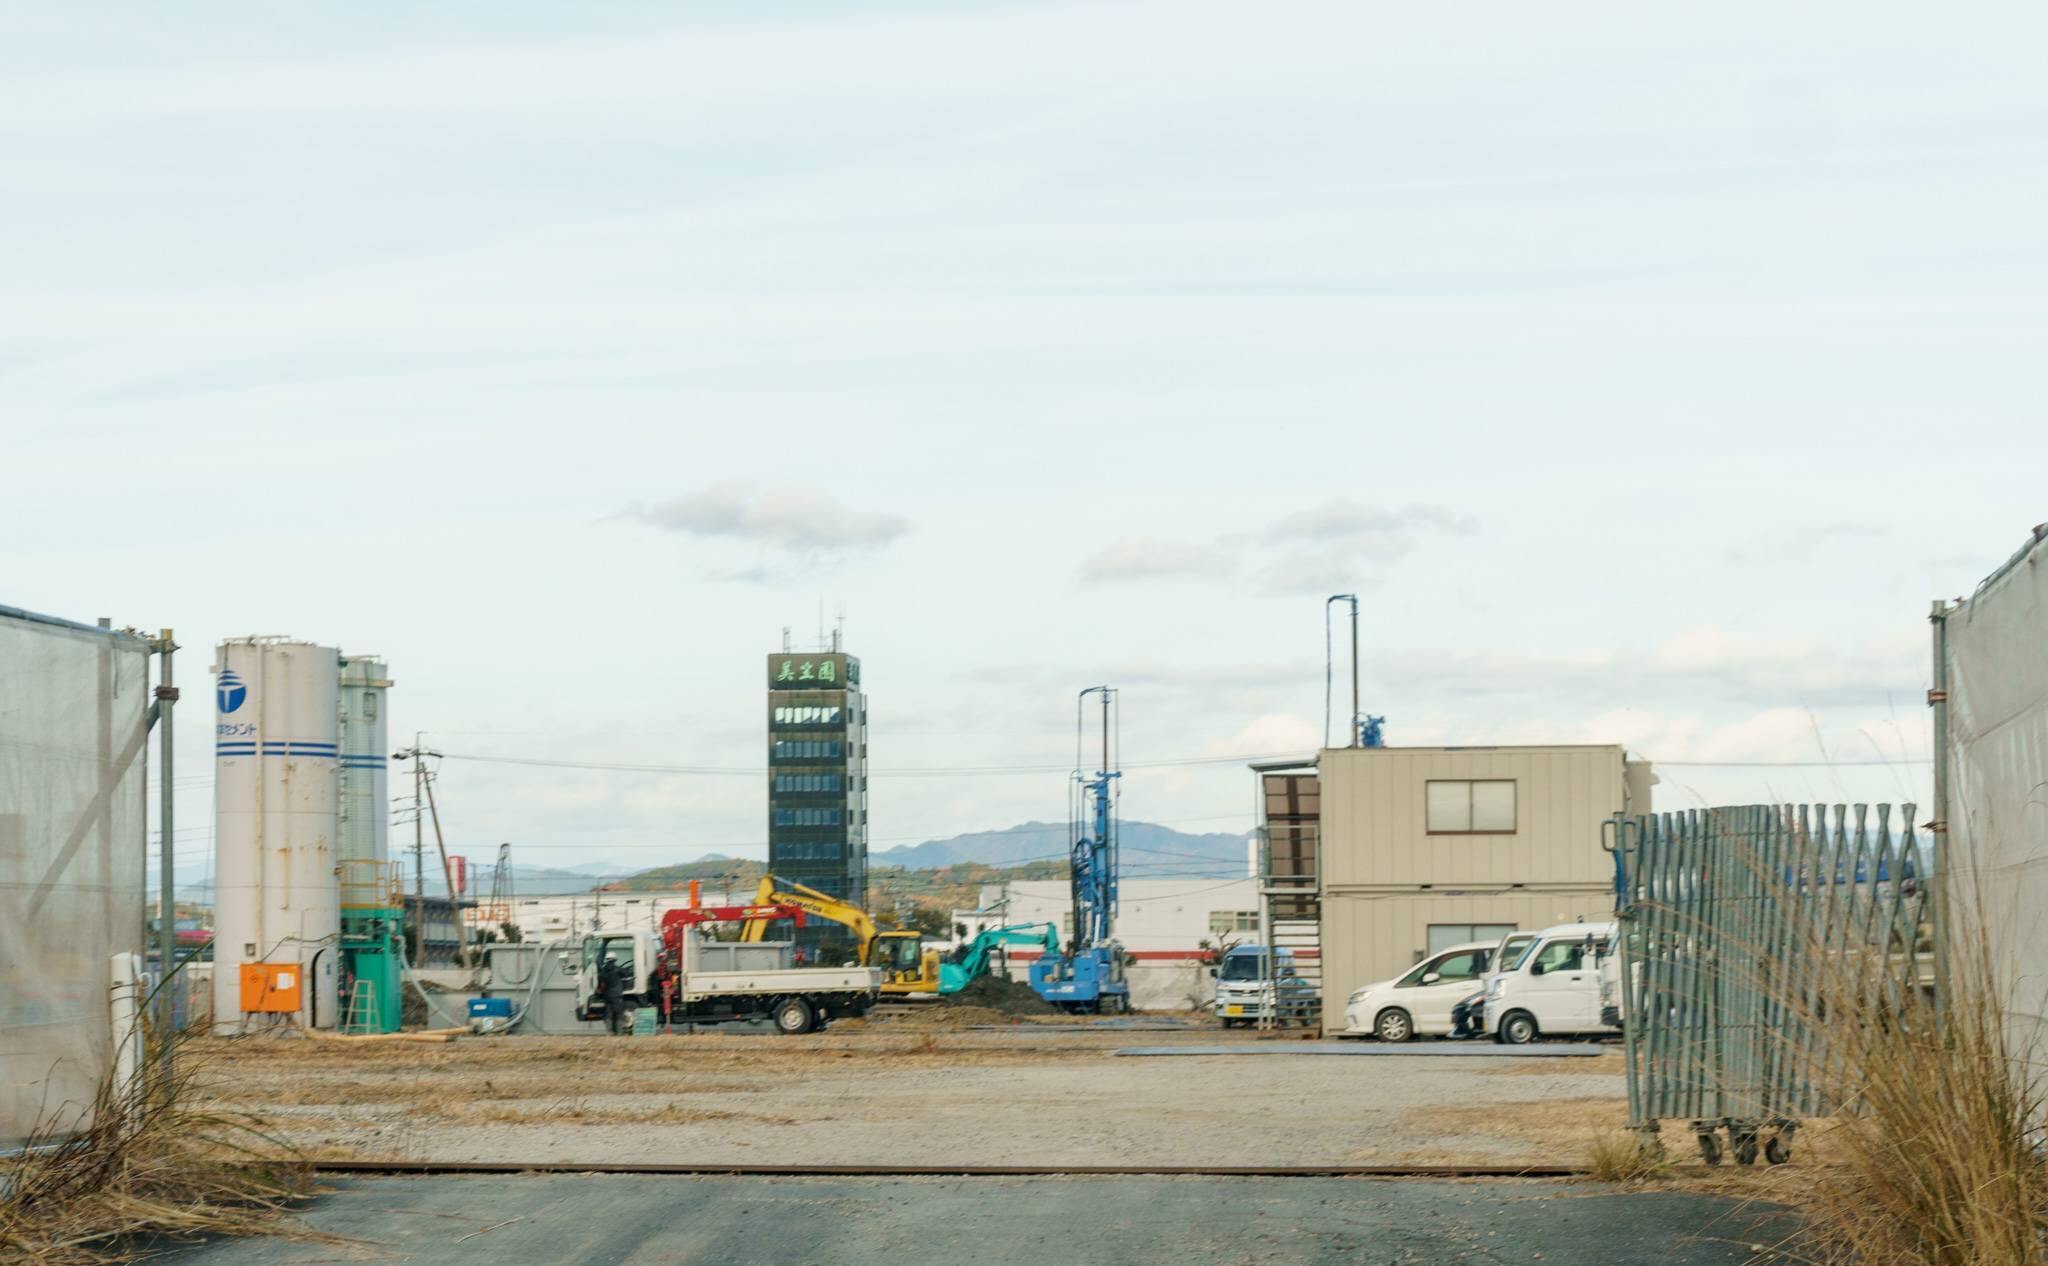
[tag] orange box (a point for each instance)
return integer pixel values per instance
(270, 987)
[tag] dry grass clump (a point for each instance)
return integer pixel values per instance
(161, 1165)
(1938, 1161)
(1619, 1156)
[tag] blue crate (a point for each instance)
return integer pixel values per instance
(490, 1008)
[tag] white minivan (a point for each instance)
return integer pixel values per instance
(1420, 1000)
(1549, 982)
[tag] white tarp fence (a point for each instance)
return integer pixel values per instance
(74, 725)
(1997, 805)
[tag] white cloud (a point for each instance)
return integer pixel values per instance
(1321, 549)
(1706, 662)
(1274, 732)
(1381, 535)
(1798, 542)
(1154, 558)
(1329, 544)
(805, 522)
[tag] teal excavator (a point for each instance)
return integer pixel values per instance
(953, 977)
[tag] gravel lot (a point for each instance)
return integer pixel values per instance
(1038, 1096)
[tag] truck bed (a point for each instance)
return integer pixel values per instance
(695, 986)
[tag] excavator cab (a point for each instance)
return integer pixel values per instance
(899, 956)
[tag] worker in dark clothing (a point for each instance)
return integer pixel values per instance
(614, 991)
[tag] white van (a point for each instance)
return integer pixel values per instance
(1550, 982)
(1420, 1000)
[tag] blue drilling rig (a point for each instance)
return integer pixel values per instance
(1090, 975)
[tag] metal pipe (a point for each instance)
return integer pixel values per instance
(1329, 665)
(167, 906)
(429, 1167)
(1356, 738)
(1937, 844)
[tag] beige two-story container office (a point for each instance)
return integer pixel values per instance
(1423, 847)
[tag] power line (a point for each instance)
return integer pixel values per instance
(909, 771)
(953, 771)
(1789, 764)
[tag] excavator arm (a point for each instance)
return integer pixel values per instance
(780, 892)
(953, 977)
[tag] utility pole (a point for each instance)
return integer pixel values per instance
(422, 801)
(447, 871)
(419, 874)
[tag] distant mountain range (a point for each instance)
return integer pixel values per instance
(1149, 850)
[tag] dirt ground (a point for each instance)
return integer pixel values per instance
(1022, 1094)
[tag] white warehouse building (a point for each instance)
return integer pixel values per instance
(546, 919)
(1168, 928)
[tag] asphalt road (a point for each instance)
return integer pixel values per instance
(537, 1220)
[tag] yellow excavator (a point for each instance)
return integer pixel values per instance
(906, 966)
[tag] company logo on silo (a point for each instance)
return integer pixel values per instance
(231, 691)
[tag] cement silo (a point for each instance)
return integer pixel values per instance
(277, 916)
(372, 914)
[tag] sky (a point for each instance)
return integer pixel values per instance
(1645, 371)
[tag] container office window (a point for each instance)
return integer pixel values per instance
(1233, 920)
(1469, 965)
(1468, 807)
(1444, 935)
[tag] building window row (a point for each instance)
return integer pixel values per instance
(802, 748)
(807, 715)
(808, 851)
(1233, 920)
(807, 817)
(808, 782)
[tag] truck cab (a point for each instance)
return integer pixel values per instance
(1245, 994)
(636, 952)
(1552, 982)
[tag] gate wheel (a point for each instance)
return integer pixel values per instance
(1745, 1147)
(1710, 1147)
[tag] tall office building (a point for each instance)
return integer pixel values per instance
(817, 778)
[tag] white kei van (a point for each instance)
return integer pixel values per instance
(1550, 982)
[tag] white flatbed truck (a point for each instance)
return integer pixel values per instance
(689, 979)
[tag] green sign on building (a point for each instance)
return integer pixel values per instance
(820, 671)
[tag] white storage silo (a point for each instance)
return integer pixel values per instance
(365, 798)
(276, 786)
